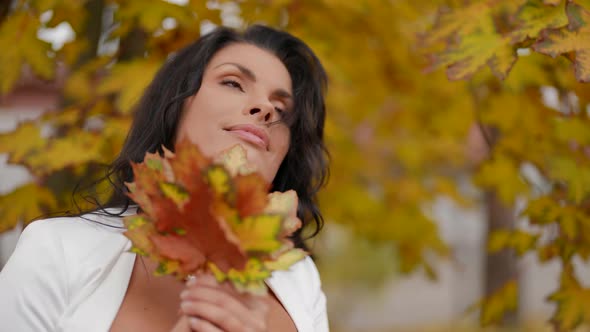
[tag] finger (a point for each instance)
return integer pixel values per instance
(203, 279)
(217, 297)
(223, 318)
(207, 279)
(213, 315)
(200, 325)
(250, 314)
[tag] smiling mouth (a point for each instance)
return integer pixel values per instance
(250, 134)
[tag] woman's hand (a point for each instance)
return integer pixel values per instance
(211, 307)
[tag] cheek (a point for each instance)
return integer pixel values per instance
(283, 142)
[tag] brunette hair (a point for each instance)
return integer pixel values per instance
(157, 115)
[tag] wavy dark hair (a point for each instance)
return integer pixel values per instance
(157, 115)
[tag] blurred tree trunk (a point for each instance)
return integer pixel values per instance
(133, 45)
(4, 8)
(93, 29)
(500, 267)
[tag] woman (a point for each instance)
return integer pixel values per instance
(261, 88)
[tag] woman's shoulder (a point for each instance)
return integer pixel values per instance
(78, 236)
(302, 278)
(300, 290)
(76, 228)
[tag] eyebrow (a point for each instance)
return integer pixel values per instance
(251, 76)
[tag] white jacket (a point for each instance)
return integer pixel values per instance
(71, 274)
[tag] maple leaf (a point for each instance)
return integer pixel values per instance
(25, 204)
(128, 80)
(23, 141)
(475, 42)
(501, 301)
(20, 45)
(79, 147)
(518, 240)
(573, 302)
(575, 38)
(197, 217)
(535, 16)
(150, 13)
(495, 171)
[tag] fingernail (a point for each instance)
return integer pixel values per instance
(184, 294)
(193, 321)
(184, 306)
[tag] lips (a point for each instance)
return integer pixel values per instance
(251, 134)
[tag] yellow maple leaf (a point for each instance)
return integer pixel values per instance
(503, 300)
(573, 302)
(575, 38)
(476, 42)
(128, 80)
(518, 240)
(21, 142)
(25, 204)
(78, 148)
(503, 175)
(575, 174)
(535, 16)
(20, 45)
(150, 13)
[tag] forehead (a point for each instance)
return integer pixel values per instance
(266, 66)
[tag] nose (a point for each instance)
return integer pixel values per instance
(263, 112)
(260, 114)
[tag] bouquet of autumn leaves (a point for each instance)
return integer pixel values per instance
(203, 215)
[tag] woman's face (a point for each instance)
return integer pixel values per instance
(243, 94)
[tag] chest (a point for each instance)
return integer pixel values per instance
(152, 304)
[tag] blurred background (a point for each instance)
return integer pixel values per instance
(459, 194)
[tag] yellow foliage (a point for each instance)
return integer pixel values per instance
(149, 14)
(397, 134)
(573, 38)
(25, 204)
(78, 148)
(19, 45)
(502, 300)
(535, 16)
(128, 80)
(518, 240)
(573, 302)
(508, 171)
(576, 174)
(25, 140)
